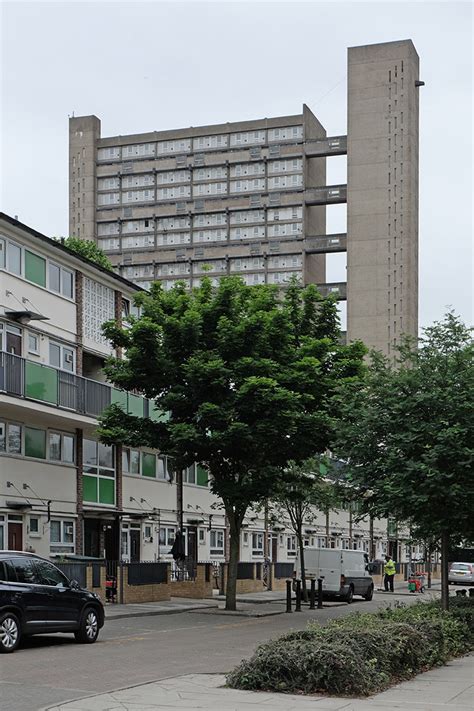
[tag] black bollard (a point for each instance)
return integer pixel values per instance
(288, 596)
(320, 593)
(298, 596)
(312, 594)
(471, 592)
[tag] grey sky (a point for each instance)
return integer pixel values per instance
(153, 65)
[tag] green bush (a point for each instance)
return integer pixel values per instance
(362, 653)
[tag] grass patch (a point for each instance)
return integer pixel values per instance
(361, 654)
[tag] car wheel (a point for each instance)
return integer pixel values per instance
(89, 629)
(369, 594)
(350, 595)
(10, 632)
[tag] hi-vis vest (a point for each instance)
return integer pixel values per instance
(389, 568)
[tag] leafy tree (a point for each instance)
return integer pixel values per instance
(245, 380)
(301, 493)
(88, 249)
(407, 433)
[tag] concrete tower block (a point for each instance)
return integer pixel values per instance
(382, 193)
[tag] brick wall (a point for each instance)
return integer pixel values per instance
(244, 586)
(89, 582)
(79, 284)
(152, 592)
(79, 495)
(198, 588)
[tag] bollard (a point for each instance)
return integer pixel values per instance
(312, 594)
(471, 592)
(320, 593)
(298, 596)
(288, 596)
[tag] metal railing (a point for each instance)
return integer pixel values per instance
(34, 381)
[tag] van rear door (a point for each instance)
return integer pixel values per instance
(330, 568)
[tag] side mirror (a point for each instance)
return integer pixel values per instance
(74, 585)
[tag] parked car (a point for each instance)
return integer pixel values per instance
(462, 573)
(345, 573)
(36, 597)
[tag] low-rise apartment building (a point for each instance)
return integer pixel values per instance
(63, 492)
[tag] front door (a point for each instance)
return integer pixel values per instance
(15, 536)
(13, 340)
(134, 545)
(192, 549)
(274, 549)
(92, 538)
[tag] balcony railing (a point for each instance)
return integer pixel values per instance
(34, 381)
(331, 146)
(327, 195)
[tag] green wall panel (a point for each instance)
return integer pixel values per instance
(119, 397)
(90, 488)
(135, 405)
(41, 382)
(158, 415)
(107, 491)
(148, 464)
(35, 443)
(201, 476)
(35, 268)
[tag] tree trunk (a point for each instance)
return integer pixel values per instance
(444, 569)
(304, 591)
(231, 586)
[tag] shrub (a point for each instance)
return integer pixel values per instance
(361, 653)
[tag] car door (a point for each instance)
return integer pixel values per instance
(64, 603)
(31, 597)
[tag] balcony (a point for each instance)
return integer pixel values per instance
(331, 146)
(327, 195)
(26, 379)
(321, 244)
(338, 289)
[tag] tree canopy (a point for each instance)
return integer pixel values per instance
(247, 377)
(407, 433)
(88, 249)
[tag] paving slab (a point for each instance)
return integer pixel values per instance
(448, 688)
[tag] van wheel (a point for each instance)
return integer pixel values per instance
(10, 632)
(89, 629)
(369, 594)
(350, 595)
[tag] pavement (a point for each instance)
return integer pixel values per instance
(144, 609)
(448, 688)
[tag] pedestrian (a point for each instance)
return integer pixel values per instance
(389, 570)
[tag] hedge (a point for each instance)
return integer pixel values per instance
(360, 654)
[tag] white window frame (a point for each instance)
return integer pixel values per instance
(291, 546)
(65, 546)
(257, 543)
(217, 542)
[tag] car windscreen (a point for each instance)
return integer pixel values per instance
(461, 566)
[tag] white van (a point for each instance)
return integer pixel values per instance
(344, 573)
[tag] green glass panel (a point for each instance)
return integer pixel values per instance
(148, 464)
(35, 443)
(89, 488)
(135, 405)
(201, 477)
(157, 415)
(119, 397)
(41, 382)
(107, 491)
(35, 268)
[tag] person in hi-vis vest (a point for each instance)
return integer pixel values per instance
(389, 570)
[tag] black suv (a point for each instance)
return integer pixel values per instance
(36, 597)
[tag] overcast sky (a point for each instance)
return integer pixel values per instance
(155, 65)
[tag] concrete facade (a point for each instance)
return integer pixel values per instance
(250, 198)
(382, 193)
